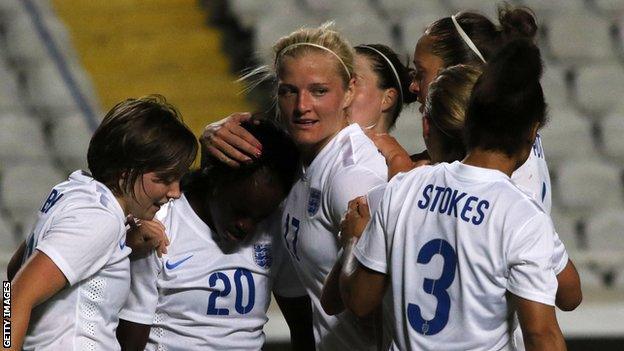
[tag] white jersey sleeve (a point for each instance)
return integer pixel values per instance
(65, 242)
(371, 249)
(346, 185)
(530, 261)
(141, 304)
(560, 257)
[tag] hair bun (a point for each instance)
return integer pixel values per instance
(517, 22)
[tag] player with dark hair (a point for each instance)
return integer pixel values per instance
(213, 287)
(492, 242)
(75, 273)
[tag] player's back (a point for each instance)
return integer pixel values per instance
(458, 238)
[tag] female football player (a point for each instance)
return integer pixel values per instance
(75, 275)
(213, 287)
(492, 243)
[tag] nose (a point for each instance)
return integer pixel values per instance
(413, 87)
(245, 225)
(303, 103)
(174, 190)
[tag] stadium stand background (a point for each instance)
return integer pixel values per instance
(64, 62)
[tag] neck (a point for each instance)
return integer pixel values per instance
(123, 203)
(199, 204)
(491, 159)
(309, 152)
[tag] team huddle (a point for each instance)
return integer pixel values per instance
(363, 246)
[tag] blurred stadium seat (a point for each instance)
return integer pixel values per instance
(24, 188)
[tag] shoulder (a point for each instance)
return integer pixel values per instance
(358, 150)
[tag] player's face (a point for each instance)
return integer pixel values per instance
(366, 108)
(151, 191)
(312, 99)
(427, 66)
(236, 209)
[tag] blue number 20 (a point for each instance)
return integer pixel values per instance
(435, 287)
(227, 287)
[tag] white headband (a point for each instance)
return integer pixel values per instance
(316, 46)
(466, 39)
(396, 74)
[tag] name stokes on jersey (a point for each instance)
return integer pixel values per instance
(454, 203)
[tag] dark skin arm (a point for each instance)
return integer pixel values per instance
(569, 294)
(132, 336)
(16, 261)
(540, 329)
(298, 314)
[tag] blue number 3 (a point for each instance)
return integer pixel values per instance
(435, 287)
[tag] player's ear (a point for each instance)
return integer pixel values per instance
(426, 129)
(533, 134)
(348, 98)
(389, 98)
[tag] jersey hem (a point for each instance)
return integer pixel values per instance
(368, 263)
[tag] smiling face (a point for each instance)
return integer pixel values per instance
(312, 100)
(237, 207)
(366, 108)
(427, 67)
(151, 191)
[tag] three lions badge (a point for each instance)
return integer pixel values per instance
(314, 201)
(263, 255)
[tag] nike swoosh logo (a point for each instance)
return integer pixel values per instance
(173, 265)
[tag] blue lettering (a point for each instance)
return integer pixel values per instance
(439, 190)
(51, 201)
(483, 205)
(426, 195)
(446, 196)
(467, 208)
(453, 203)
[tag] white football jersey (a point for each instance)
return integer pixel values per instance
(454, 239)
(81, 228)
(198, 297)
(347, 167)
(533, 176)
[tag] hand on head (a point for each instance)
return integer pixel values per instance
(230, 143)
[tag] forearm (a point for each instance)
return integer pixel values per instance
(347, 274)
(20, 318)
(132, 336)
(330, 297)
(552, 341)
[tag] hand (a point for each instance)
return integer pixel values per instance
(228, 142)
(397, 158)
(145, 236)
(355, 220)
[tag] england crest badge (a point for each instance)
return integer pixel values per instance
(314, 201)
(263, 255)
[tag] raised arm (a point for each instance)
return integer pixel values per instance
(228, 142)
(540, 329)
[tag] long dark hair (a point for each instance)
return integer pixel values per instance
(514, 23)
(387, 78)
(507, 100)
